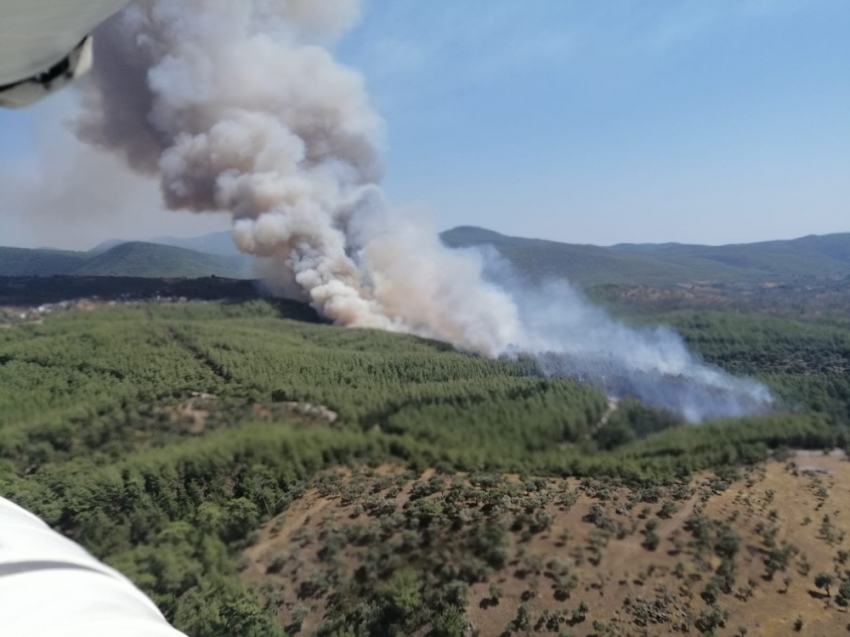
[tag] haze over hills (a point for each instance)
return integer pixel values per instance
(215, 243)
(220, 243)
(133, 259)
(41, 262)
(659, 264)
(825, 256)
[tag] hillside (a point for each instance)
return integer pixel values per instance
(664, 264)
(824, 257)
(152, 260)
(133, 259)
(220, 243)
(566, 557)
(818, 256)
(23, 262)
(256, 474)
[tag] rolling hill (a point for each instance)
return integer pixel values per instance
(822, 257)
(663, 264)
(827, 255)
(220, 243)
(256, 474)
(134, 259)
(23, 262)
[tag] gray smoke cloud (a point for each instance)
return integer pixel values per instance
(571, 337)
(240, 107)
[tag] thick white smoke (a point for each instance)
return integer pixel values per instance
(236, 106)
(240, 107)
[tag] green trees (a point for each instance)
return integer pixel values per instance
(843, 597)
(89, 440)
(404, 597)
(711, 619)
(522, 621)
(450, 623)
(824, 581)
(651, 539)
(802, 362)
(496, 593)
(223, 607)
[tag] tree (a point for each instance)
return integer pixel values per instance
(299, 614)
(651, 541)
(824, 581)
(727, 543)
(667, 509)
(778, 558)
(614, 433)
(522, 622)
(222, 608)
(787, 581)
(243, 516)
(711, 619)
(496, 593)
(450, 623)
(711, 592)
(564, 585)
(843, 597)
(580, 613)
(401, 599)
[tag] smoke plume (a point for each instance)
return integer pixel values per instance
(240, 107)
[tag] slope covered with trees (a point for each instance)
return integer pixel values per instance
(666, 264)
(132, 259)
(164, 436)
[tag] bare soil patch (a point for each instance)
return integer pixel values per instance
(579, 557)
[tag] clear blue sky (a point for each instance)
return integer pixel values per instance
(706, 121)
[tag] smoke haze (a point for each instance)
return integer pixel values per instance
(239, 107)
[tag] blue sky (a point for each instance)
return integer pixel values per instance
(707, 121)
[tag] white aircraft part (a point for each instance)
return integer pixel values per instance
(37, 34)
(51, 587)
(29, 91)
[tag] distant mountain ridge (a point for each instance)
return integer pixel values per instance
(220, 243)
(826, 256)
(131, 259)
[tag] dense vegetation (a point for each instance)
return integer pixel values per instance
(24, 262)
(23, 294)
(99, 434)
(806, 364)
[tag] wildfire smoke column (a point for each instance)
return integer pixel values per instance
(239, 107)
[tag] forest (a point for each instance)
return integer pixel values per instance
(167, 437)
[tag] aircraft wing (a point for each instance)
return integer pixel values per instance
(51, 586)
(44, 44)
